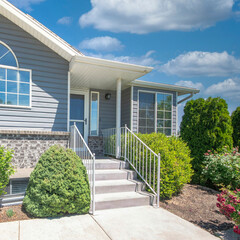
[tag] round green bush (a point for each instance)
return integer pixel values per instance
(236, 127)
(58, 185)
(206, 125)
(176, 169)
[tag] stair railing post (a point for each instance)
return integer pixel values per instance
(93, 186)
(158, 179)
(74, 137)
(125, 143)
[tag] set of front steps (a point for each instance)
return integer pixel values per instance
(118, 187)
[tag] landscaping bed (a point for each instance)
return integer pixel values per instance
(197, 205)
(18, 214)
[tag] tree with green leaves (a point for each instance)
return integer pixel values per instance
(6, 167)
(236, 127)
(206, 125)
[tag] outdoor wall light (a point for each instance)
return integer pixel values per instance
(108, 96)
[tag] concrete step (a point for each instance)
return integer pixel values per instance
(110, 164)
(121, 200)
(113, 186)
(114, 174)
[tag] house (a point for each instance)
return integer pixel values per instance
(46, 86)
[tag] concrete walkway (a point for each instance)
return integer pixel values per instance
(138, 223)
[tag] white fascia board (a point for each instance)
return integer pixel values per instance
(110, 64)
(180, 90)
(37, 30)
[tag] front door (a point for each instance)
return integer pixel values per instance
(79, 112)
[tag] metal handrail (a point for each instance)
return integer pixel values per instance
(140, 156)
(80, 147)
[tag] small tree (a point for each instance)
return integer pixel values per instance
(58, 185)
(206, 125)
(6, 168)
(236, 127)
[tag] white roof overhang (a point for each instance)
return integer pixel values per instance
(180, 90)
(89, 72)
(37, 30)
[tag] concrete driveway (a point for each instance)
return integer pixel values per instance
(138, 223)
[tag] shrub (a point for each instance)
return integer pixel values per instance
(223, 169)
(206, 124)
(10, 213)
(229, 205)
(236, 127)
(58, 185)
(175, 162)
(6, 168)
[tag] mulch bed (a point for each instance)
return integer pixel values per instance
(197, 204)
(19, 214)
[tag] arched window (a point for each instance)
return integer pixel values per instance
(15, 83)
(7, 57)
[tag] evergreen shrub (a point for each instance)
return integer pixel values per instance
(58, 185)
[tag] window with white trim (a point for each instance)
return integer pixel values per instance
(94, 113)
(15, 83)
(155, 112)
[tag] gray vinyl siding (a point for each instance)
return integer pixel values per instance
(49, 83)
(126, 107)
(135, 107)
(107, 110)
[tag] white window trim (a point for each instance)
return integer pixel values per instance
(91, 113)
(5, 45)
(30, 90)
(155, 92)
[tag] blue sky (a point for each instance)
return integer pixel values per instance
(193, 43)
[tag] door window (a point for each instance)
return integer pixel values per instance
(77, 111)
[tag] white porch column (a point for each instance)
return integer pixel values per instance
(118, 118)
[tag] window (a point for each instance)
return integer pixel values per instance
(155, 113)
(164, 113)
(146, 112)
(7, 57)
(17, 186)
(15, 83)
(94, 113)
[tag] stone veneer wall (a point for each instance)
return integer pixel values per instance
(29, 145)
(95, 144)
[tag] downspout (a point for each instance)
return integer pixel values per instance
(186, 98)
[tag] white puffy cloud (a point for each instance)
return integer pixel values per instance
(65, 20)
(25, 4)
(190, 84)
(106, 44)
(229, 89)
(144, 60)
(141, 16)
(197, 63)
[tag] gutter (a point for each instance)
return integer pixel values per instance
(186, 98)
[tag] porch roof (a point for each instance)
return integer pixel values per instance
(89, 72)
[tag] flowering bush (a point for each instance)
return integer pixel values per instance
(229, 205)
(223, 169)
